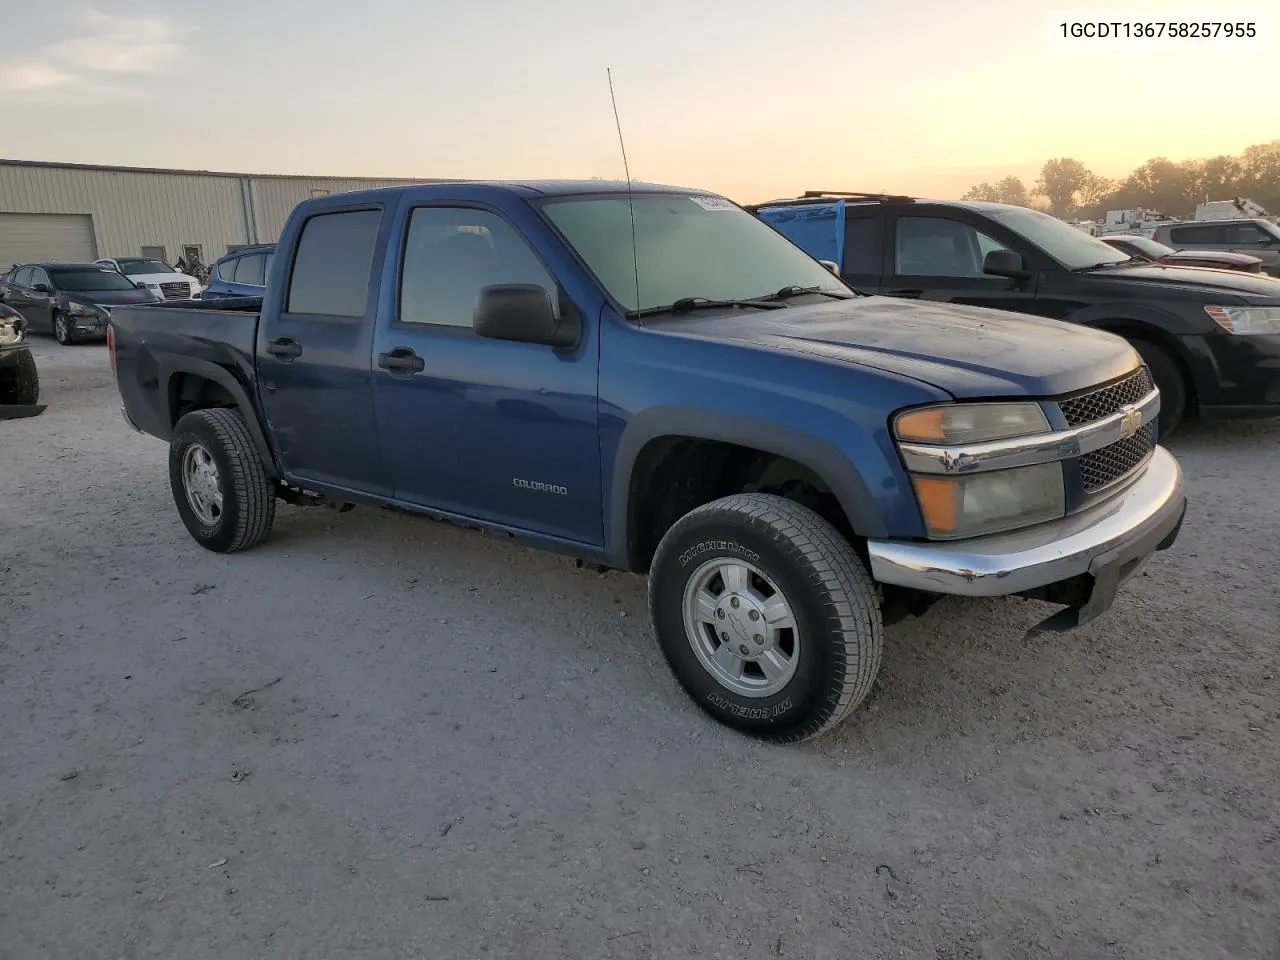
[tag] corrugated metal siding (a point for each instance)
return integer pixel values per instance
(132, 209)
(274, 198)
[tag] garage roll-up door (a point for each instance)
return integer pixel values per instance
(25, 237)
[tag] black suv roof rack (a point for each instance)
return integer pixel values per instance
(818, 196)
(888, 197)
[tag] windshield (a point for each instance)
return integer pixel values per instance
(685, 246)
(1266, 226)
(135, 268)
(83, 280)
(1148, 247)
(1072, 248)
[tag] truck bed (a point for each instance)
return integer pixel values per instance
(156, 346)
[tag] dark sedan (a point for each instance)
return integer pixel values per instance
(1154, 250)
(72, 301)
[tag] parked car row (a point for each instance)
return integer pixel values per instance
(73, 301)
(1211, 338)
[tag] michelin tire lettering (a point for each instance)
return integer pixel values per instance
(709, 546)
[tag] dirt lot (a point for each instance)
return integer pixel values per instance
(382, 737)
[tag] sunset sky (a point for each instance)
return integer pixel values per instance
(750, 98)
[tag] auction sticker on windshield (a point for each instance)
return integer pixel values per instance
(713, 203)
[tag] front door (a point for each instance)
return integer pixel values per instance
(36, 305)
(493, 430)
(314, 357)
(939, 257)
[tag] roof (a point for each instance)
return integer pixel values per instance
(61, 264)
(523, 188)
(57, 165)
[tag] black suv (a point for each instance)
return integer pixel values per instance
(1211, 338)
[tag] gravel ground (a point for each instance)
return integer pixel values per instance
(378, 736)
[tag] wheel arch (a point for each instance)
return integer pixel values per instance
(650, 435)
(189, 383)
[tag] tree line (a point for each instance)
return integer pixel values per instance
(1067, 188)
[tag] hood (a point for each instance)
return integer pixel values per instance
(1218, 256)
(967, 351)
(111, 297)
(165, 278)
(1205, 281)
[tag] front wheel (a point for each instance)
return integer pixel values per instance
(766, 616)
(219, 481)
(1172, 385)
(62, 330)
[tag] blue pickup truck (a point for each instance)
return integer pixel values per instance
(656, 381)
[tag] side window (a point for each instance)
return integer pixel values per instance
(451, 253)
(40, 276)
(249, 270)
(333, 264)
(935, 247)
(862, 245)
(1206, 233)
(22, 278)
(227, 269)
(1244, 233)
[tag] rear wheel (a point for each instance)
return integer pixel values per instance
(219, 481)
(62, 329)
(766, 616)
(1169, 379)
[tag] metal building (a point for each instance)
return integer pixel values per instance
(72, 211)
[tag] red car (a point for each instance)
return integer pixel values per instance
(1148, 249)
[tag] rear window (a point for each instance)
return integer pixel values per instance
(332, 267)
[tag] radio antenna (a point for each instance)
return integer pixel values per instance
(631, 203)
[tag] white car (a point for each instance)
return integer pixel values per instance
(155, 275)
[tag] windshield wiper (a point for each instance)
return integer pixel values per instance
(689, 304)
(786, 293)
(1109, 263)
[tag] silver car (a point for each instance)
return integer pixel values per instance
(1255, 236)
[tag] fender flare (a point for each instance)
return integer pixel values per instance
(169, 366)
(832, 467)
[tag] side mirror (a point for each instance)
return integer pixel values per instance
(523, 313)
(41, 288)
(831, 265)
(1005, 263)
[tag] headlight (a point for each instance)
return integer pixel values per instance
(955, 423)
(980, 503)
(82, 310)
(10, 331)
(1246, 320)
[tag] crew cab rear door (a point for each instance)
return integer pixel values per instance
(314, 344)
(493, 430)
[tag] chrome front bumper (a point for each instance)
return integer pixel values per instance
(1110, 542)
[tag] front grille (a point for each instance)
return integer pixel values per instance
(1088, 407)
(176, 291)
(1114, 461)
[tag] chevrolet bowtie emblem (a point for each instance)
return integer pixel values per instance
(1130, 421)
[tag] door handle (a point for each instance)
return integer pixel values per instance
(285, 348)
(401, 360)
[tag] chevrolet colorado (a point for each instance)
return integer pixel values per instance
(654, 380)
